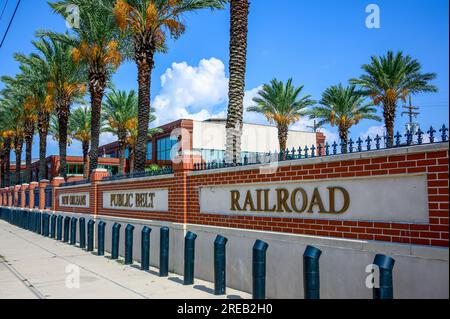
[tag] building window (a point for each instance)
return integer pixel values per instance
(149, 151)
(112, 170)
(75, 169)
(164, 149)
(127, 153)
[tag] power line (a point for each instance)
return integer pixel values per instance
(3, 11)
(10, 22)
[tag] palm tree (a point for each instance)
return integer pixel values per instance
(283, 105)
(344, 107)
(120, 113)
(36, 74)
(145, 23)
(6, 134)
(391, 78)
(66, 85)
(96, 46)
(80, 130)
(238, 65)
(133, 135)
(16, 90)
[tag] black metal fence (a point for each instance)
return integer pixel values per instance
(352, 146)
(159, 172)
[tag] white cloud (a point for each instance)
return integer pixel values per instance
(107, 138)
(191, 92)
(373, 132)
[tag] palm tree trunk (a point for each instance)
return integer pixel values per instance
(97, 83)
(18, 145)
(121, 153)
(144, 57)
(63, 119)
(389, 121)
(8, 163)
(238, 64)
(343, 135)
(43, 123)
(85, 147)
(132, 159)
(283, 131)
(29, 145)
(2, 168)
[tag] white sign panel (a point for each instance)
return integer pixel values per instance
(74, 200)
(396, 199)
(147, 200)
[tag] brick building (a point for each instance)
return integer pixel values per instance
(204, 139)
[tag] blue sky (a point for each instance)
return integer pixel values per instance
(317, 43)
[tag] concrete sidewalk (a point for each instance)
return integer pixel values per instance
(32, 266)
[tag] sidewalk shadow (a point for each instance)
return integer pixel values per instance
(176, 280)
(204, 289)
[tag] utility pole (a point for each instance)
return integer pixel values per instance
(314, 127)
(412, 112)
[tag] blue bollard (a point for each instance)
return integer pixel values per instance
(101, 238)
(82, 233)
(115, 241)
(386, 289)
(129, 244)
(145, 248)
(311, 274)
(259, 269)
(53, 226)
(73, 231)
(189, 258)
(90, 236)
(59, 229)
(39, 223)
(220, 282)
(66, 229)
(45, 225)
(164, 252)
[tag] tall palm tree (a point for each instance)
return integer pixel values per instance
(66, 84)
(120, 114)
(96, 46)
(80, 130)
(391, 78)
(17, 89)
(343, 107)
(36, 73)
(6, 134)
(281, 103)
(238, 65)
(146, 23)
(132, 137)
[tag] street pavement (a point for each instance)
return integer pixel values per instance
(35, 267)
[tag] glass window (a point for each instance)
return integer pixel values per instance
(164, 148)
(127, 153)
(149, 151)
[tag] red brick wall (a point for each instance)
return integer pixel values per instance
(75, 190)
(434, 164)
(184, 196)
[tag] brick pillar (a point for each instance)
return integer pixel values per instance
(320, 140)
(23, 188)
(42, 185)
(182, 165)
(11, 191)
(55, 183)
(32, 186)
(96, 177)
(16, 195)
